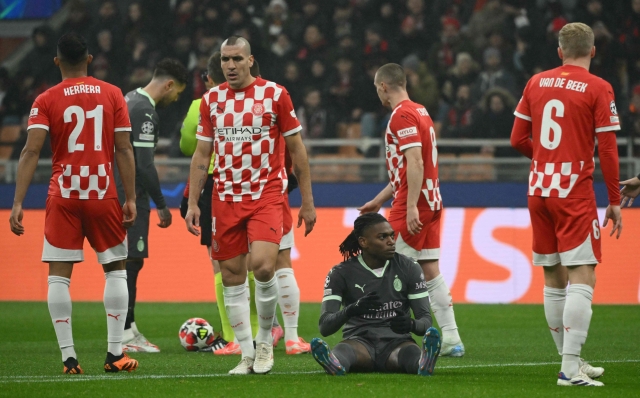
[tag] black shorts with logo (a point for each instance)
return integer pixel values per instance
(204, 203)
(380, 348)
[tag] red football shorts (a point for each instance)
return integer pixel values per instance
(565, 231)
(422, 246)
(235, 225)
(287, 225)
(68, 221)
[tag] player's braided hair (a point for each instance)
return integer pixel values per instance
(350, 247)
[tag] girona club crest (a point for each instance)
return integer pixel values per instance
(258, 109)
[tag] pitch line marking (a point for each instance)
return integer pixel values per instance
(76, 378)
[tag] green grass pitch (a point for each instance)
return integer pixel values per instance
(509, 353)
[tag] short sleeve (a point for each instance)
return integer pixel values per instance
(144, 128)
(404, 125)
(204, 130)
(121, 114)
(286, 116)
(417, 283)
(605, 112)
(38, 117)
(333, 286)
(523, 111)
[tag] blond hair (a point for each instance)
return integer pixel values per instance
(575, 40)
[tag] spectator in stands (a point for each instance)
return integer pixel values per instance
(593, 12)
(630, 39)
(184, 17)
(549, 50)
(464, 72)
(211, 19)
(345, 90)
(377, 50)
(135, 26)
(109, 19)
(492, 17)
(387, 16)
(345, 20)
(442, 55)
(181, 49)
(421, 84)
(239, 20)
(457, 119)
(317, 78)
(494, 119)
(425, 21)
(293, 82)
(276, 21)
(316, 120)
(311, 15)
(410, 41)
(631, 118)
(494, 74)
(314, 47)
(78, 20)
(38, 64)
(609, 59)
(526, 60)
(108, 59)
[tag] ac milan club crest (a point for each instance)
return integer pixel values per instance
(258, 109)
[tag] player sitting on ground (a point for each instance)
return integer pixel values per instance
(377, 288)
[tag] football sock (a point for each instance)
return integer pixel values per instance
(346, 355)
(251, 288)
(276, 323)
(59, 301)
(289, 300)
(237, 306)
(577, 316)
(266, 301)
(134, 329)
(442, 308)
(554, 300)
(227, 332)
(409, 358)
(133, 269)
(116, 298)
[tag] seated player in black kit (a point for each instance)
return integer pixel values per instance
(377, 288)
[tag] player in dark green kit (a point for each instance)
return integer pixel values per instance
(377, 289)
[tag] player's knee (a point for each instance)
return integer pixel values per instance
(409, 358)
(263, 272)
(232, 276)
(430, 268)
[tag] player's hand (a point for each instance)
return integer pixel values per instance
(630, 190)
(414, 226)
(15, 220)
(307, 214)
(613, 213)
(401, 324)
(165, 217)
(129, 213)
(192, 218)
(369, 207)
(366, 305)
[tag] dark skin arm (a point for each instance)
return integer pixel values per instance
(26, 168)
(197, 177)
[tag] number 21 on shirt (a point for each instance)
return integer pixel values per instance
(95, 114)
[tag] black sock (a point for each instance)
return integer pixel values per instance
(345, 354)
(409, 358)
(133, 268)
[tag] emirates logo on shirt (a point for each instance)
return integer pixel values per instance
(258, 109)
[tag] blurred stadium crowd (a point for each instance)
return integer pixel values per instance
(467, 61)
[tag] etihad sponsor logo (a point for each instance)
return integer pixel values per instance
(230, 131)
(81, 89)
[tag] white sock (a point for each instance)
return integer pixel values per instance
(237, 306)
(576, 320)
(134, 329)
(266, 301)
(554, 301)
(289, 300)
(116, 300)
(442, 308)
(59, 301)
(128, 335)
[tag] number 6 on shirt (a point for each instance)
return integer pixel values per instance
(548, 124)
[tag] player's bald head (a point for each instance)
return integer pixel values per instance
(237, 41)
(392, 75)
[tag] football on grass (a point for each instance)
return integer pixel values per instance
(196, 334)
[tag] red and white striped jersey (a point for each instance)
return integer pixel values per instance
(246, 127)
(411, 126)
(567, 107)
(81, 115)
